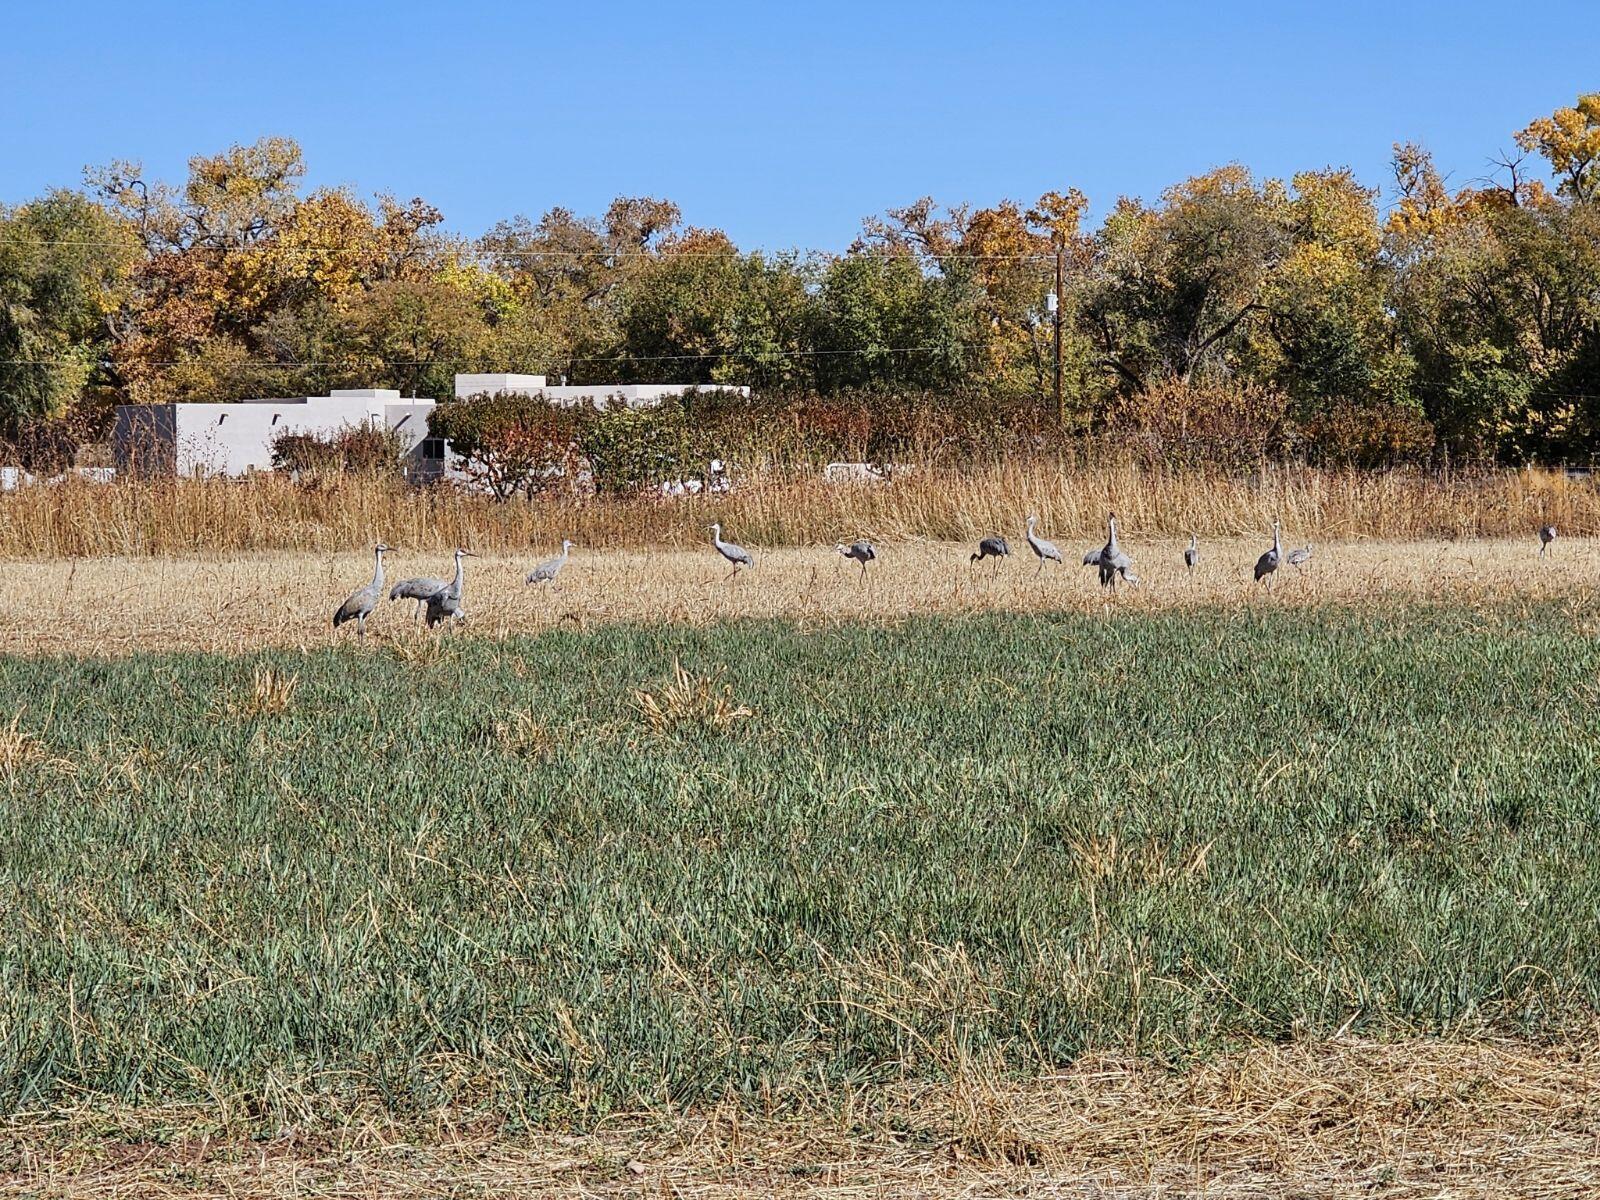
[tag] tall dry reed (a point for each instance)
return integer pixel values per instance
(133, 518)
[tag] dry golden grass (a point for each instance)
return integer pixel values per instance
(271, 513)
(1415, 1118)
(114, 606)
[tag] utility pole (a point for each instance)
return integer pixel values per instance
(1055, 305)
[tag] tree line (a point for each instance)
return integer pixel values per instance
(1230, 316)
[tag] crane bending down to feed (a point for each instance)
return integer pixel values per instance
(991, 547)
(1043, 549)
(1191, 556)
(861, 551)
(737, 555)
(547, 571)
(1268, 562)
(1299, 558)
(446, 602)
(418, 589)
(1547, 534)
(360, 605)
(1110, 558)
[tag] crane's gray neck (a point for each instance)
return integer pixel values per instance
(1277, 543)
(377, 568)
(1111, 523)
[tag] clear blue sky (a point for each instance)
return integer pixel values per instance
(783, 124)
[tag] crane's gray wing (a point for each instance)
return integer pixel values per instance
(417, 589)
(546, 570)
(363, 601)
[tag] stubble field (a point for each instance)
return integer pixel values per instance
(241, 603)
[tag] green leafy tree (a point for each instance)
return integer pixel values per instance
(64, 274)
(701, 312)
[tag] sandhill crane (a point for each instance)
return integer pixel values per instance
(861, 551)
(1547, 534)
(418, 589)
(1299, 558)
(737, 555)
(1110, 558)
(360, 605)
(1268, 562)
(1043, 549)
(1191, 556)
(991, 547)
(446, 602)
(547, 571)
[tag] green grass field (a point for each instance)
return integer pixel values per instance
(489, 876)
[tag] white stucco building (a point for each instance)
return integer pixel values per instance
(236, 438)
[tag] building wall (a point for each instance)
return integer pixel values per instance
(145, 439)
(235, 439)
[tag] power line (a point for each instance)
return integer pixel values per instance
(660, 255)
(447, 362)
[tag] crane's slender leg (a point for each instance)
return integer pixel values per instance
(863, 572)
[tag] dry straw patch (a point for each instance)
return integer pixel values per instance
(117, 606)
(270, 695)
(22, 751)
(1415, 1118)
(789, 509)
(686, 701)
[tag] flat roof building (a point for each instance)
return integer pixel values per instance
(236, 438)
(232, 439)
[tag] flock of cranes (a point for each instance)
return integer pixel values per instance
(440, 600)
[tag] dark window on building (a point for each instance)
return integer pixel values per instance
(432, 447)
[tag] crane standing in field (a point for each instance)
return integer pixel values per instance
(446, 602)
(1041, 548)
(547, 571)
(862, 552)
(1547, 534)
(991, 547)
(737, 555)
(1299, 558)
(1268, 562)
(360, 605)
(1191, 556)
(1110, 558)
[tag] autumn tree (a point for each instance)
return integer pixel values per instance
(1569, 139)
